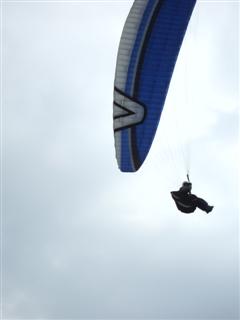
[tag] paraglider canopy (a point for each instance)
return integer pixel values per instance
(148, 50)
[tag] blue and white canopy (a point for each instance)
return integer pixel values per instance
(148, 50)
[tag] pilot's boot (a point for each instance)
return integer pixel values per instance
(209, 209)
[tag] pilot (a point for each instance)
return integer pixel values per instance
(187, 202)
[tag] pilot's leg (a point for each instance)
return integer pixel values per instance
(202, 204)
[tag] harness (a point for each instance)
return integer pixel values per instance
(184, 207)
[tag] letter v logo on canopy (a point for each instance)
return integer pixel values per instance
(126, 111)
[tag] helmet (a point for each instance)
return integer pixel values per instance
(186, 184)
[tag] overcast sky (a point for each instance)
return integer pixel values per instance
(80, 238)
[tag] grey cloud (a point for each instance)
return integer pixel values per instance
(82, 240)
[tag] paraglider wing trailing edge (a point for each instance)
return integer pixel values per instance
(148, 50)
